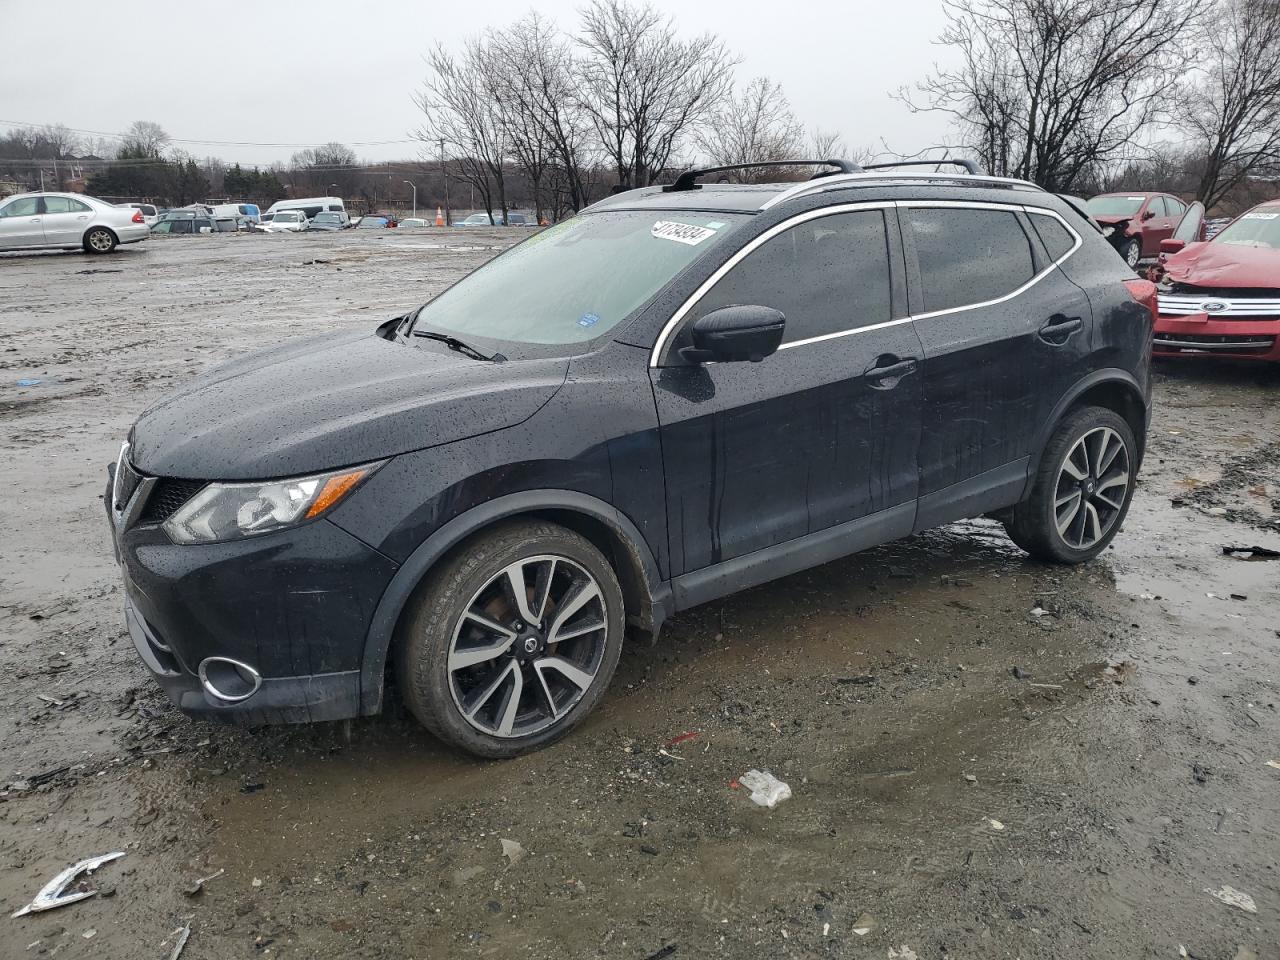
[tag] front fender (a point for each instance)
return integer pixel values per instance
(420, 561)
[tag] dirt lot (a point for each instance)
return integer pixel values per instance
(945, 804)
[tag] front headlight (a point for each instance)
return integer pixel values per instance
(1108, 231)
(232, 511)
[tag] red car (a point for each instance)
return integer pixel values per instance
(1223, 297)
(1136, 222)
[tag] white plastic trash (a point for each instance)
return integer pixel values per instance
(766, 789)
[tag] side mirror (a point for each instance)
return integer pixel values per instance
(1172, 245)
(1148, 215)
(735, 333)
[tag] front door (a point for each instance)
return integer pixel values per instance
(20, 224)
(1005, 334)
(65, 220)
(823, 432)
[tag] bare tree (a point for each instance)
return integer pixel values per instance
(145, 139)
(537, 83)
(1232, 110)
(461, 102)
(644, 87)
(756, 127)
(1047, 90)
(315, 169)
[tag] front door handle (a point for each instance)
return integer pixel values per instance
(1058, 330)
(888, 369)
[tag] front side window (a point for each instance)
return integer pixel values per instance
(967, 257)
(26, 207)
(826, 276)
(576, 280)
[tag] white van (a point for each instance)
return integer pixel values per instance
(310, 206)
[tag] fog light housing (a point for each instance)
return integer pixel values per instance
(228, 680)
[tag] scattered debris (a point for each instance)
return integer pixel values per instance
(971, 778)
(30, 382)
(90, 933)
(1274, 763)
(1239, 596)
(513, 851)
(51, 896)
(181, 943)
(902, 953)
(252, 787)
(766, 789)
(669, 756)
(1039, 612)
(52, 701)
(1201, 773)
(1019, 673)
(995, 824)
(864, 924)
(1251, 553)
(677, 740)
(195, 889)
(1046, 686)
(665, 952)
(1233, 898)
(1119, 671)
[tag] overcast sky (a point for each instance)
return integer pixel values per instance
(305, 73)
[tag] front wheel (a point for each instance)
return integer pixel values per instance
(99, 240)
(513, 640)
(1131, 250)
(1081, 491)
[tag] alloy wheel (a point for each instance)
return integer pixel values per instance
(528, 646)
(1132, 254)
(1093, 484)
(100, 240)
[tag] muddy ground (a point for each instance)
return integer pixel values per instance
(943, 806)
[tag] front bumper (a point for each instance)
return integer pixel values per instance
(294, 606)
(1199, 335)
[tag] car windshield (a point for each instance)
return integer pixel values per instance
(372, 222)
(325, 218)
(1257, 228)
(1114, 206)
(574, 281)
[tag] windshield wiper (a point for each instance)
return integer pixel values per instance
(453, 343)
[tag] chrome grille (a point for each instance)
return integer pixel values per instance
(126, 481)
(1225, 308)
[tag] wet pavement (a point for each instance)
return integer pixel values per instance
(989, 757)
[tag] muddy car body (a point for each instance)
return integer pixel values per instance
(1222, 297)
(677, 394)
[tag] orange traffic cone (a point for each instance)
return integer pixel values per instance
(439, 217)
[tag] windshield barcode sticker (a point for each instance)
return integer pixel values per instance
(681, 232)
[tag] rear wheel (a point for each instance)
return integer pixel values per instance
(99, 240)
(1081, 491)
(513, 641)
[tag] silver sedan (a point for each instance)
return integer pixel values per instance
(67, 221)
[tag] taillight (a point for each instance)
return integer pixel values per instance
(137, 217)
(1144, 292)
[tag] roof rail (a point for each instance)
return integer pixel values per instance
(970, 166)
(838, 180)
(688, 179)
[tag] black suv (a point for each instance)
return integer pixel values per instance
(680, 392)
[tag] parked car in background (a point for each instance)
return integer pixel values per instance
(197, 223)
(372, 221)
(150, 213)
(68, 221)
(1136, 222)
(310, 206)
(1222, 297)
(676, 394)
(414, 222)
(475, 220)
(331, 222)
(285, 221)
(244, 215)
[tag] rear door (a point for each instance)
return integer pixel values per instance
(1166, 213)
(1005, 334)
(65, 220)
(21, 224)
(821, 433)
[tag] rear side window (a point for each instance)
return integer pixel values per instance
(825, 275)
(1056, 238)
(63, 205)
(969, 257)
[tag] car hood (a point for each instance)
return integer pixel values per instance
(1225, 265)
(333, 401)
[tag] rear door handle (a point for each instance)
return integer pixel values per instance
(1058, 330)
(887, 370)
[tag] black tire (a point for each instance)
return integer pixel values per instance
(1033, 523)
(426, 637)
(1131, 250)
(99, 240)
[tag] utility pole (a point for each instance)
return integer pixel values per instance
(414, 187)
(444, 172)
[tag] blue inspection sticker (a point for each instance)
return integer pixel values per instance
(588, 320)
